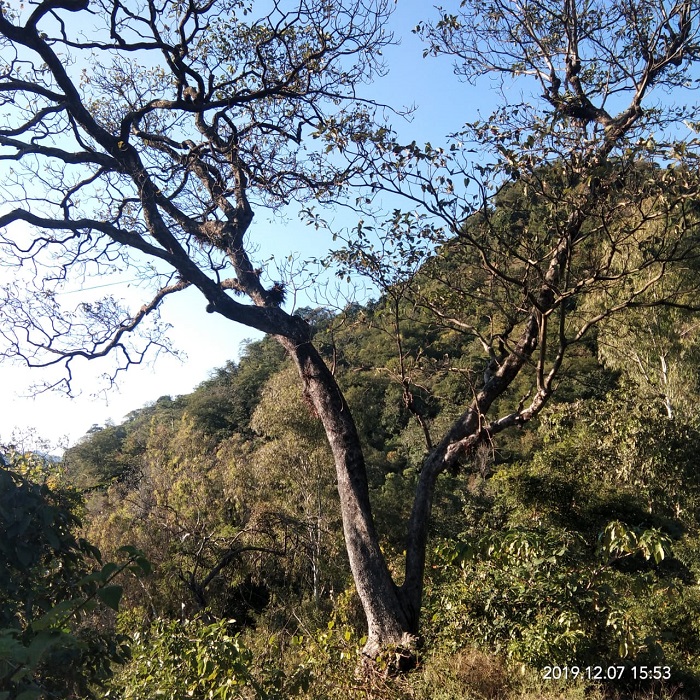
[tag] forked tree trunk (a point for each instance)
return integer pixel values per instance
(393, 612)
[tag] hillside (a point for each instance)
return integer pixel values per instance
(576, 544)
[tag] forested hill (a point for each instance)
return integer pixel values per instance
(395, 397)
(578, 538)
(483, 485)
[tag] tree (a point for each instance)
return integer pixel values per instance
(193, 513)
(662, 344)
(97, 458)
(574, 210)
(293, 464)
(49, 579)
(189, 118)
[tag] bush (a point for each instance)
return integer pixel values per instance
(50, 580)
(189, 659)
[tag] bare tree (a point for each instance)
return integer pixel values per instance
(149, 139)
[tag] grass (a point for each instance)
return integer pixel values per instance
(474, 675)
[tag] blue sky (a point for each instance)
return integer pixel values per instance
(207, 341)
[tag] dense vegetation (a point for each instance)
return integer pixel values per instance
(576, 544)
(505, 439)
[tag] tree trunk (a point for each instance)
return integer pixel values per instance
(389, 625)
(393, 612)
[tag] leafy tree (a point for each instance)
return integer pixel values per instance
(193, 511)
(158, 155)
(49, 580)
(657, 348)
(580, 208)
(552, 597)
(97, 459)
(225, 403)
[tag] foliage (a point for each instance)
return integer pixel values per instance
(528, 231)
(184, 659)
(657, 348)
(548, 598)
(193, 658)
(592, 539)
(224, 404)
(293, 472)
(590, 547)
(50, 581)
(590, 552)
(187, 512)
(620, 455)
(98, 458)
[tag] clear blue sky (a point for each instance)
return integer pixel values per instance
(207, 341)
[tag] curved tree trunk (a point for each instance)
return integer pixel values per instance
(388, 623)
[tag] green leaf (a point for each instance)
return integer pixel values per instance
(25, 555)
(110, 596)
(130, 550)
(42, 643)
(10, 647)
(144, 565)
(90, 578)
(59, 613)
(107, 570)
(658, 552)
